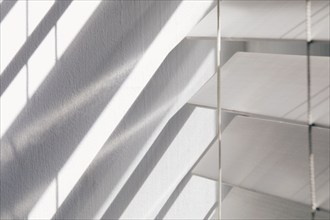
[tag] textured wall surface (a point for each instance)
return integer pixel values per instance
(172, 86)
(76, 82)
(168, 160)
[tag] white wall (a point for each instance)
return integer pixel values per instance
(70, 71)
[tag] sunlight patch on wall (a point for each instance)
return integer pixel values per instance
(13, 33)
(180, 155)
(36, 12)
(43, 59)
(13, 100)
(46, 205)
(20, 22)
(195, 200)
(76, 165)
(72, 21)
(128, 92)
(41, 62)
(27, 81)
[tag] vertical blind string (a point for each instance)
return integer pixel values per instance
(309, 114)
(218, 117)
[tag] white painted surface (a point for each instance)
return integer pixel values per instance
(63, 125)
(36, 11)
(12, 102)
(269, 19)
(165, 94)
(102, 89)
(158, 176)
(12, 38)
(195, 200)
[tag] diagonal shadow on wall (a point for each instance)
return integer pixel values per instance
(32, 43)
(161, 214)
(5, 8)
(148, 163)
(133, 132)
(68, 102)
